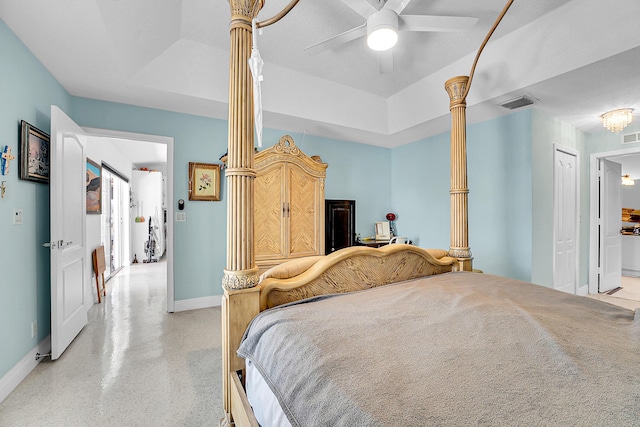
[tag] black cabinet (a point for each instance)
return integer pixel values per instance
(340, 224)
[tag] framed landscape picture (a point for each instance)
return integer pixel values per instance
(94, 187)
(34, 153)
(204, 181)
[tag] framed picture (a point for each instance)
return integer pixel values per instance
(34, 153)
(204, 181)
(94, 187)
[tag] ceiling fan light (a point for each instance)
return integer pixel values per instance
(382, 30)
(382, 39)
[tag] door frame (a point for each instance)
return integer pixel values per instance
(571, 152)
(169, 142)
(594, 202)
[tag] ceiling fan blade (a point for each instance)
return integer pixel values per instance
(361, 7)
(385, 61)
(397, 5)
(336, 41)
(435, 23)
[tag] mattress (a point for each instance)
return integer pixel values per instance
(265, 405)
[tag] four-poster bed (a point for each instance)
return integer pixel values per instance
(501, 327)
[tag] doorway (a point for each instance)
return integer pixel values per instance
(114, 231)
(630, 162)
(149, 142)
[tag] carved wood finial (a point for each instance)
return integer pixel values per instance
(247, 8)
(287, 145)
(456, 88)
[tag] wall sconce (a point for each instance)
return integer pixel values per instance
(626, 180)
(617, 120)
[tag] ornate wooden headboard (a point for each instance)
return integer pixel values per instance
(354, 269)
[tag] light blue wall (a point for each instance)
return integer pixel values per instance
(27, 92)
(200, 243)
(499, 173)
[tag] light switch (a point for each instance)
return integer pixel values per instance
(17, 217)
(181, 217)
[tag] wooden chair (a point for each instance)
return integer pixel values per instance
(99, 267)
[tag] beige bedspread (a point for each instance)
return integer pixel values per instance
(454, 349)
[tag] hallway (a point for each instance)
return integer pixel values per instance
(133, 364)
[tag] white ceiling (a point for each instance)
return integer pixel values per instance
(578, 58)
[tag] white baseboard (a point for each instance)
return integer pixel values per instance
(197, 303)
(19, 372)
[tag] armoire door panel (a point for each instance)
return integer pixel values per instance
(303, 216)
(269, 220)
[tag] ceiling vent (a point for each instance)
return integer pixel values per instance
(630, 138)
(520, 102)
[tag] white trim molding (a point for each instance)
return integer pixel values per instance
(19, 372)
(197, 303)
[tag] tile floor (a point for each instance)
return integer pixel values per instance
(628, 296)
(132, 365)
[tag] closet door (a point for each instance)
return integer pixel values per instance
(269, 213)
(305, 213)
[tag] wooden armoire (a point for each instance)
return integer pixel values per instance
(288, 203)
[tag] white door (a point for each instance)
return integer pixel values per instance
(610, 271)
(67, 188)
(565, 224)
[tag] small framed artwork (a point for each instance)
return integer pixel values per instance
(34, 153)
(94, 187)
(204, 181)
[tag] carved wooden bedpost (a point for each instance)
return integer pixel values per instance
(456, 88)
(241, 274)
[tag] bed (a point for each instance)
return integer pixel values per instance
(339, 343)
(493, 351)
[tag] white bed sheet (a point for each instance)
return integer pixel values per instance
(265, 405)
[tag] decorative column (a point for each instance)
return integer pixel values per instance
(240, 303)
(456, 88)
(241, 271)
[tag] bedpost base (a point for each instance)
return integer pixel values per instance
(465, 264)
(238, 308)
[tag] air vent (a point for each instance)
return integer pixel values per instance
(520, 102)
(630, 138)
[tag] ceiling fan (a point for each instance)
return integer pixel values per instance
(383, 21)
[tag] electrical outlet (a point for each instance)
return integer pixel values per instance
(34, 328)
